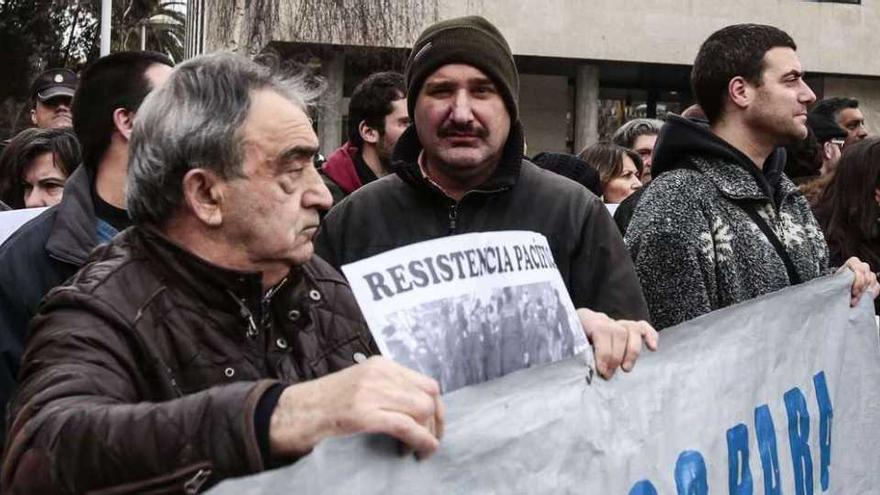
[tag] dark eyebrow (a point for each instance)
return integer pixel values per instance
(302, 151)
(481, 80)
(441, 84)
(797, 73)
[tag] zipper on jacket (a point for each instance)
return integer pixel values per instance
(252, 331)
(266, 306)
(453, 217)
(195, 483)
(454, 207)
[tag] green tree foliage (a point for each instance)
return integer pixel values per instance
(39, 34)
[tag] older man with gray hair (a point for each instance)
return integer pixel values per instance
(206, 341)
(640, 135)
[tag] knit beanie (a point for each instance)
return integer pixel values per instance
(470, 40)
(572, 167)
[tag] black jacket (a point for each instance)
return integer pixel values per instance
(40, 255)
(404, 208)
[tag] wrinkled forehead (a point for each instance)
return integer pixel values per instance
(276, 123)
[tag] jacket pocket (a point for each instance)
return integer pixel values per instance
(189, 480)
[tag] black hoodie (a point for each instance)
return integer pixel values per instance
(680, 138)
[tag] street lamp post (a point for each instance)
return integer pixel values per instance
(106, 7)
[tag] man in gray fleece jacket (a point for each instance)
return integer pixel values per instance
(721, 223)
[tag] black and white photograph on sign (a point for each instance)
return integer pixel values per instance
(469, 308)
(473, 338)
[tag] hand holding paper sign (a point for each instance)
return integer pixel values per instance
(616, 342)
(376, 396)
(470, 308)
(865, 279)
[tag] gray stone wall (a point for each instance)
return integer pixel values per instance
(832, 37)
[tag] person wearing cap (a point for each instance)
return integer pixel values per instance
(52, 93)
(206, 341)
(572, 167)
(459, 168)
(50, 248)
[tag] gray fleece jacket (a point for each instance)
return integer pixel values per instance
(694, 246)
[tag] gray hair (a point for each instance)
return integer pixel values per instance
(194, 121)
(627, 134)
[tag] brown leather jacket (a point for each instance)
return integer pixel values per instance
(142, 373)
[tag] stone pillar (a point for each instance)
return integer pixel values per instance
(330, 116)
(586, 107)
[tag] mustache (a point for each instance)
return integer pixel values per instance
(453, 130)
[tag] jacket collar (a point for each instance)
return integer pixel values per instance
(74, 235)
(405, 163)
(214, 284)
(684, 143)
(737, 181)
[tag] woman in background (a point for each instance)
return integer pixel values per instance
(35, 165)
(619, 170)
(849, 209)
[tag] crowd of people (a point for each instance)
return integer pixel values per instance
(473, 338)
(178, 317)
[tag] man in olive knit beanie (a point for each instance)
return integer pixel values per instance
(459, 168)
(466, 40)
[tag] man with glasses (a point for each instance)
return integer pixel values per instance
(831, 138)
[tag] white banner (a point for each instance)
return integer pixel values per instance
(11, 220)
(780, 395)
(468, 308)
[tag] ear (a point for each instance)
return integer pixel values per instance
(826, 150)
(740, 92)
(34, 116)
(203, 195)
(368, 134)
(123, 121)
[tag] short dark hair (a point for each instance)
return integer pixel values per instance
(24, 148)
(732, 51)
(371, 102)
(115, 81)
(607, 159)
(831, 107)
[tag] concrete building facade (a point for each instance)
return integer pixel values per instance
(586, 65)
